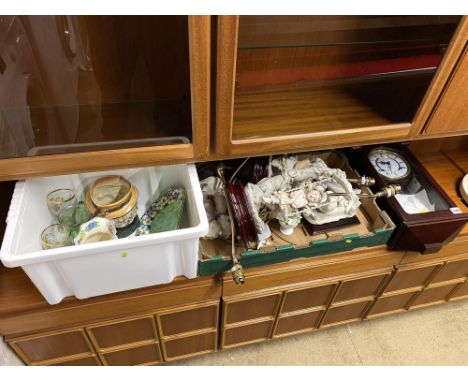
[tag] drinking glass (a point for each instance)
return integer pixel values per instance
(59, 200)
(56, 236)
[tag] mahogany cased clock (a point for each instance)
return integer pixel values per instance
(425, 216)
(390, 164)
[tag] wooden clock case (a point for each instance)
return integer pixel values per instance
(422, 232)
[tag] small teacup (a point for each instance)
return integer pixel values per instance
(97, 229)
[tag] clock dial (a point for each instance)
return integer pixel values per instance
(389, 164)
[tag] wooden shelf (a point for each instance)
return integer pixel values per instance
(314, 107)
(263, 114)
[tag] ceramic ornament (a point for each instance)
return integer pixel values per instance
(296, 189)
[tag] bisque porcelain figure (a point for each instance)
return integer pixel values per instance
(305, 188)
(216, 208)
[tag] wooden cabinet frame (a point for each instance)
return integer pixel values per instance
(227, 36)
(199, 28)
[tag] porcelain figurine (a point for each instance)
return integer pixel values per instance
(216, 208)
(305, 188)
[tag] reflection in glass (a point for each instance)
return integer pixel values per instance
(302, 74)
(84, 83)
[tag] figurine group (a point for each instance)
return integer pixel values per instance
(301, 188)
(294, 189)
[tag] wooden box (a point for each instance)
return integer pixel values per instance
(424, 232)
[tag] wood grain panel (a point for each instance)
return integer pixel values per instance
(72, 311)
(452, 270)
(133, 356)
(251, 308)
(189, 320)
(460, 292)
(391, 304)
(188, 346)
(404, 279)
(247, 333)
(297, 323)
(307, 298)
(359, 288)
(433, 295)
(294, 111)
(86, 361)
(316, 268)
(345, 313)
(450, 113)
(123, 332)
(49, 346)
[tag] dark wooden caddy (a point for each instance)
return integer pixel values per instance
(425, 232)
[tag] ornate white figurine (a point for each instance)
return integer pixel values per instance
(295, 188)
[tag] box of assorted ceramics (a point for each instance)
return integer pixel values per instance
(274, 209)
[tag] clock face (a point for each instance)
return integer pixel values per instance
(389, 164)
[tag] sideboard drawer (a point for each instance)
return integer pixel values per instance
(188, 319)
(249, 308)
(141, 355)
(46, 347)
(123, 332)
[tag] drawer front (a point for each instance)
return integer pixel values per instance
(434, 295)
(85, 361)
(345, 313)
(307, 298)
(452, 270)
(391, 303)
(410, 278)
(123, 332)
(461, 291)
(251, 308)
(47, 347)
(247, 333)
(190, 346)
(297, 323)
(141, 355)
(187, 320)
(364, 287)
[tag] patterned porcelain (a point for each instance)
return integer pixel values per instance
(169, 196)
(97, 229)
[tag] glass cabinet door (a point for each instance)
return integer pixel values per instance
(306, 76)
(78, 84)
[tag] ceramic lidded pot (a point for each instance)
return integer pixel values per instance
(115, 198)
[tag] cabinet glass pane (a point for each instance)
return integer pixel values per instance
(302, 74)
(86, 83)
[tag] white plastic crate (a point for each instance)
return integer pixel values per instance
(111, 266)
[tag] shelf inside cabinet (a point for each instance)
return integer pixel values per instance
(259, 32)
(307, 107)
(93, 127)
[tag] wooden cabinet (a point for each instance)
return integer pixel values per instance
(300, 307)
(423, 281)
(449, 115)
(82, 93)
(291, 83)
(150, 339)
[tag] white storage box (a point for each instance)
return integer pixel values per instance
(109, 266)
